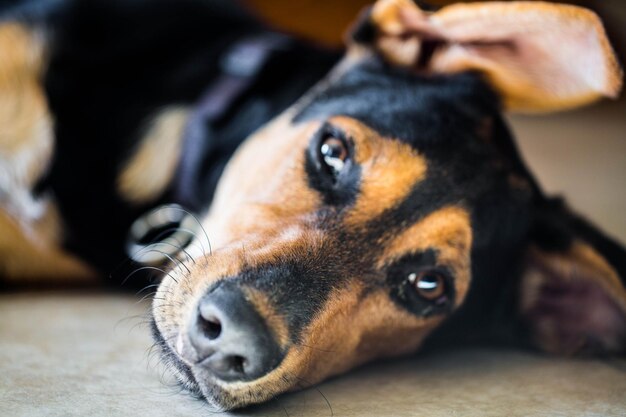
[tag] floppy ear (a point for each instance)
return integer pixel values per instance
(572, 290)
(539, 56)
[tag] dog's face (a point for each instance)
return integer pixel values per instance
(339, 237)
(346, 229)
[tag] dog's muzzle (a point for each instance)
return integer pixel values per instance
(227, 339)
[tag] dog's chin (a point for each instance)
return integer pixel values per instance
(170, 359)
(200, 384)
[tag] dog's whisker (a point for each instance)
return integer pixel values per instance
(127, 318)
(308, 384)
(178, 304)
(176, 207)
(131, 259)
(146, 296)
(166, 232)
(180, 246)
(144, 268)
(172, 260)
(146, 287)
(136, 325)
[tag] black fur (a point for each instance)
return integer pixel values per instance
(398, 104)
(440, 117)
(113, 65)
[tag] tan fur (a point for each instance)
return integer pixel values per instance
(264, 180)
(387, 15)
(449, 232)
(30, 253)
(26, 141)
(349, 331)
(150, 170)
(392, 41)
(261, 214)
(389, 170)
(30, 228)
(530, 16)
(274, 321)
(527, 50)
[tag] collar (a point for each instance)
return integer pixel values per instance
(239, 67)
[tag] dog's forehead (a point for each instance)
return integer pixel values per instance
(417, 108)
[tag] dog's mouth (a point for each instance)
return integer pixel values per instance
(332, 346)
(205, 391)
(171, 360)
(219, 363)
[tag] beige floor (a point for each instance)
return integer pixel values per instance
(86, 354)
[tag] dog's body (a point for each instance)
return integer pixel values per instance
(349, 227)
(151, 74)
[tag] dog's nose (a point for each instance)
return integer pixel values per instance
(231, 339)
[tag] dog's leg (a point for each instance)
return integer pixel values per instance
(29, 225)
(26, 142)
(151, 167)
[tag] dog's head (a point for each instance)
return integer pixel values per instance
(360, 219)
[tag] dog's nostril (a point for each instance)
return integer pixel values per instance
(211, 327)
(227, 365)
(238, 363)
(229, 338)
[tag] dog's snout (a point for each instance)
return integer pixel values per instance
(231, 339)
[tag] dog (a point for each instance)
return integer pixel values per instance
(387, 210)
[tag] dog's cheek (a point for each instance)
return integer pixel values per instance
(353, 328)
(265, 182)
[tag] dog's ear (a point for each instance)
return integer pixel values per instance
(572, 292)
(539, 56)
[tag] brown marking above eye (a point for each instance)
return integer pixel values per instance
(389, 170)
(446, 231)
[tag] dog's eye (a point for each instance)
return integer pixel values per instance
(430, 285)
(334, 153)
